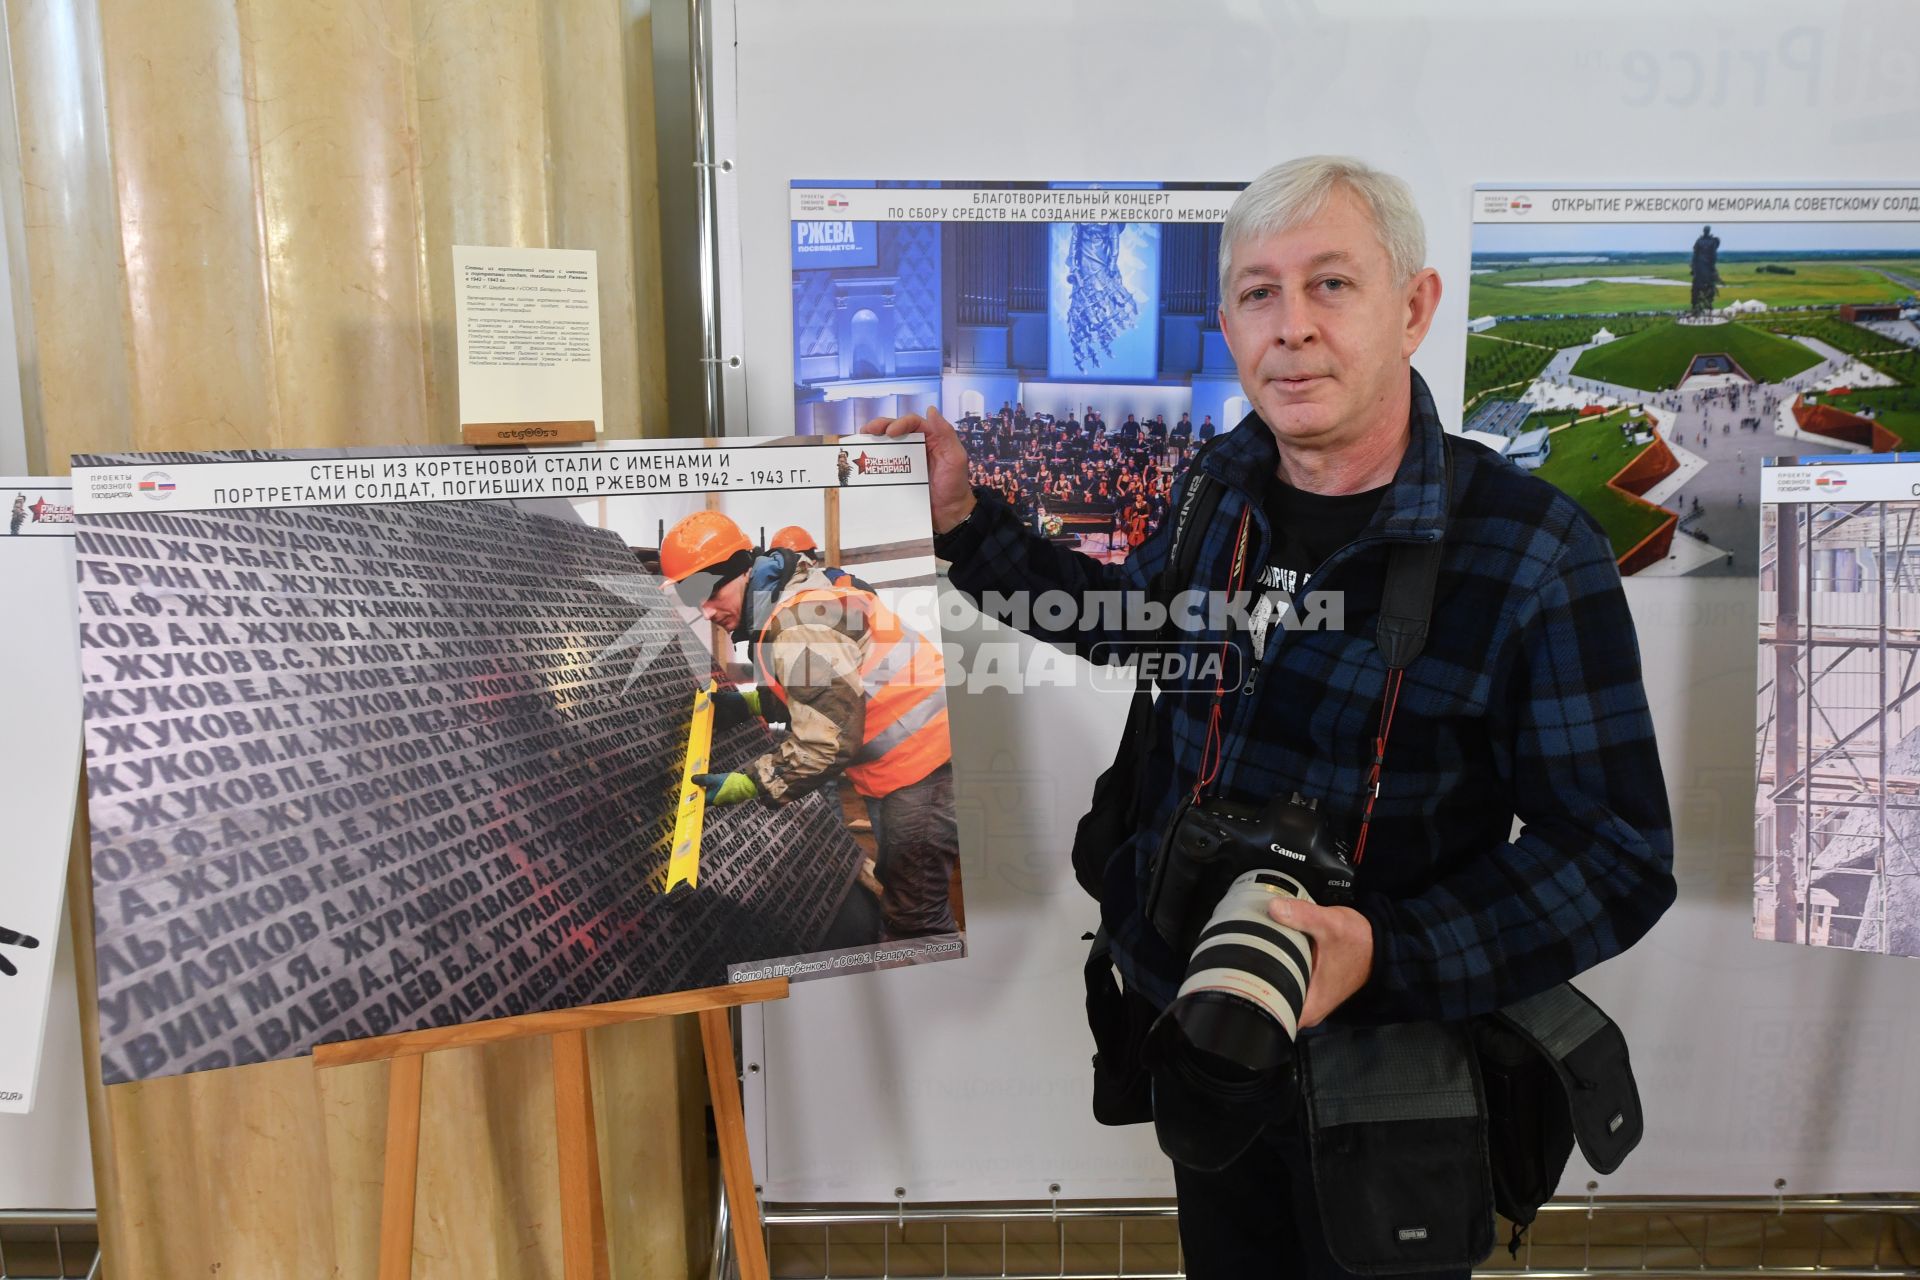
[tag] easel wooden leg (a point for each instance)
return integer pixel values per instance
(583, 1218)
(736, 1164)
(402, 1167)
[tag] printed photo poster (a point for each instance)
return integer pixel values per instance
(392, 739)
(1836, 814)
(1068, 329)
(39, 766)
(1645, 348)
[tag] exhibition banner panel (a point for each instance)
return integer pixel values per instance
(45, 1159)
(1070, 331)
(972, 1078)
(382, 740)
(1836, 819)
(1644, 348)
(39, 766)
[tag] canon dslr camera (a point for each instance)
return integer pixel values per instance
(1222, 1053)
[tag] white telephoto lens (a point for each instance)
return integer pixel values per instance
(1243, 952)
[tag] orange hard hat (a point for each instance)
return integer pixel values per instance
(793, 538)
(704, 540)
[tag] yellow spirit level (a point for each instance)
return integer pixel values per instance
(684, 866)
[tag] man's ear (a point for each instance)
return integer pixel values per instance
(1423, 300)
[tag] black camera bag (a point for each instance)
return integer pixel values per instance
(1556, 1071)
(1530, 1127)
(1420, 1131)
(1397, 1134)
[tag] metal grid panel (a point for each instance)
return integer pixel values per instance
(49, 1246)
(1836, 1238)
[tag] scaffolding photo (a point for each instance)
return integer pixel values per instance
(1837, 803)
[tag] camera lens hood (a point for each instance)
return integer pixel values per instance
(1209, 1105)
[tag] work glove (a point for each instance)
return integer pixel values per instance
(726, 788)
(734, 706)
(9, 938)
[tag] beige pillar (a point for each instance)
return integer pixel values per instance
(235, 219)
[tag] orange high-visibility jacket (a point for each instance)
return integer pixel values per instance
(901, 675)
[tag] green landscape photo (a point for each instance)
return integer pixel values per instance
(1647, 368)
(1659, 356)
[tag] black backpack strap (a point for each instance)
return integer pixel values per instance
(1400, 631)
(1195, 512)
(1406, 603)
(1117, 793)
(1190, 521)
(1119, 1019)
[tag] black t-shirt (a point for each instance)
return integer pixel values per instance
(1307, 528)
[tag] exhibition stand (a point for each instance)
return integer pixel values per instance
(582, 1202)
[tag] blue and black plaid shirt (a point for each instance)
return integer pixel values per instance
(1526, 701)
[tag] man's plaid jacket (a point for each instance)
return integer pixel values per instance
(1526, 701)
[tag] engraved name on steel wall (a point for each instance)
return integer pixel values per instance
(371, 769)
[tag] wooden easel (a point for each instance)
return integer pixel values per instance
(583, 1223)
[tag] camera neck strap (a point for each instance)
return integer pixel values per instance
(1213, 754)
(1400, 633)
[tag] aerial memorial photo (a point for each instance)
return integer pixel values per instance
(1645, 349)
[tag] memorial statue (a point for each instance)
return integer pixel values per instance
(1100, 307)
(1706, 272)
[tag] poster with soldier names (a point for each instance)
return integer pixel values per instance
(391, 739)
(39, 766)
(1644, 348)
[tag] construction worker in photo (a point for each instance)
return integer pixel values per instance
(762, 702)
(796, 539)
(865, 698)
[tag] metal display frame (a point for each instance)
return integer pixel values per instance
(59, 1221)
(1597, 1239)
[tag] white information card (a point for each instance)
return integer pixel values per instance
(529, 324)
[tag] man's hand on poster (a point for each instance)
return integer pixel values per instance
(10, 938)
(949, 488)
(726, 788)
(1342, 952)
(734, 706)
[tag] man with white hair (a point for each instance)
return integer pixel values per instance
(1526, 701)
